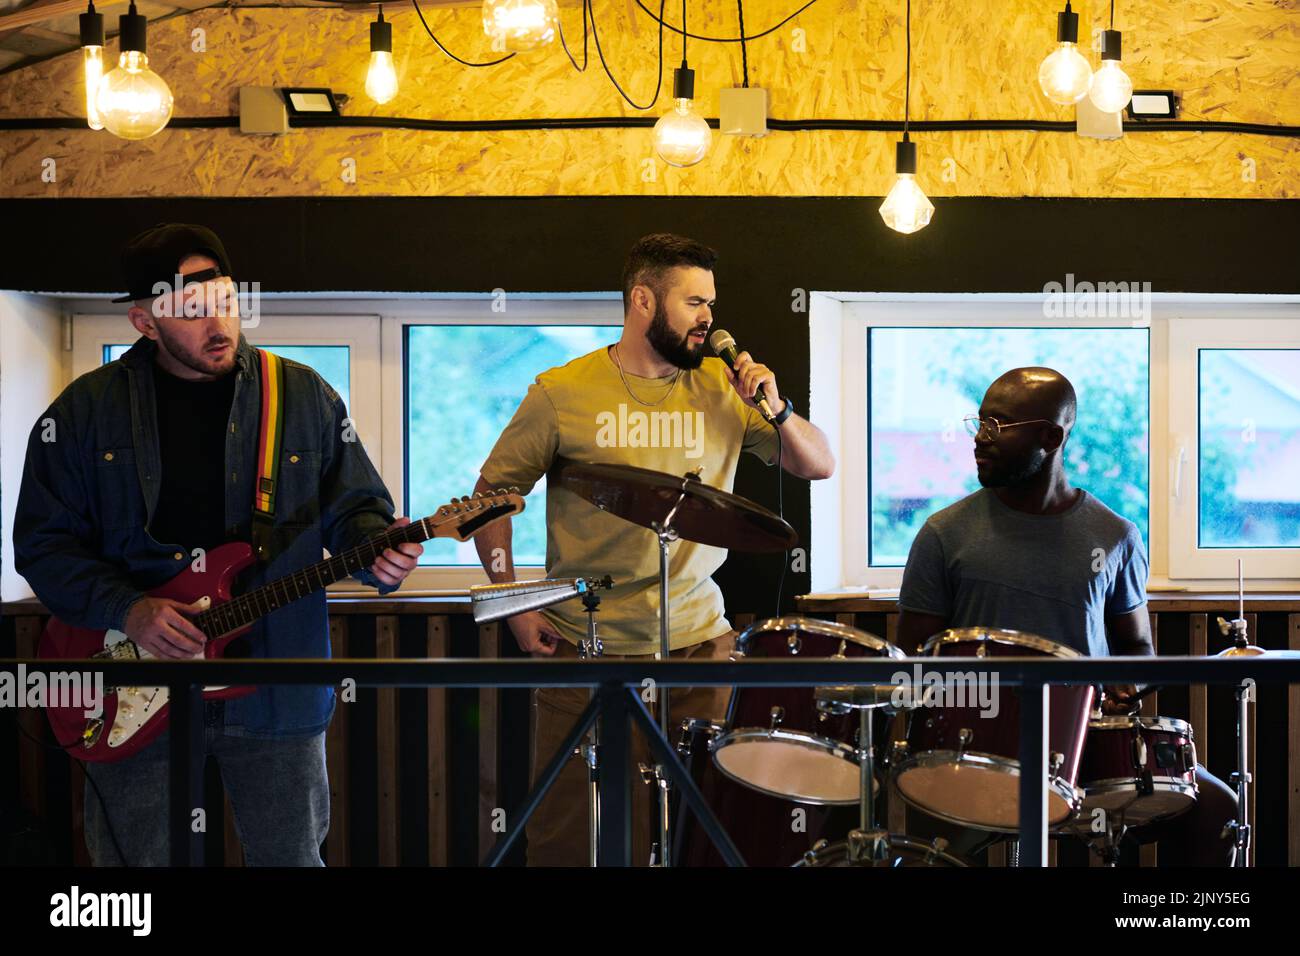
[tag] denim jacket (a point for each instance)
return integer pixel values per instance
(90, 487)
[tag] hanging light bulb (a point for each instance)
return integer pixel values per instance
(92, 62)
(133, 101)
(381, 77)
(906, 209)
(521, 25)
(682, 137)
(1065, 74)
(1111, 86)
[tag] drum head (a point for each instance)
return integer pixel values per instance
(976, 790)
(793, 765)
(1122, 802)
(902, 851)
(795, 625)
(1026, 643)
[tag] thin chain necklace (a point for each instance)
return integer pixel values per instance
(619, 363)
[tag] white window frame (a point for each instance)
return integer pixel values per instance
(1212, 327)
(512, 309)
(838, 324)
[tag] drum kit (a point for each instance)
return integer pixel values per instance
(785, 769)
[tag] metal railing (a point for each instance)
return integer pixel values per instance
(617, 704)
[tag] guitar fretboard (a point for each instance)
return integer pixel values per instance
(247, 608)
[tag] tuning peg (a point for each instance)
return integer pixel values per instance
(514, 489)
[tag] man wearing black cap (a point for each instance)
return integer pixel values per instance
(146, 463)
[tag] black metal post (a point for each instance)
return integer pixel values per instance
(1034, 709)
(615, 770)
(185, 709)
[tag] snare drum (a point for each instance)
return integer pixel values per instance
(1138, 769)
(901, 851)
(777, 740)
(961, 760)
(768, 831)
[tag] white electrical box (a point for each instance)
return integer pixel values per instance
(742, 111)
(262, 111)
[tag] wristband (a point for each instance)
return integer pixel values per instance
(785, 412)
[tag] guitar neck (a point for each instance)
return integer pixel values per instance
(247, 608)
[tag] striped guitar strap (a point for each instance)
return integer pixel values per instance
(269, 436)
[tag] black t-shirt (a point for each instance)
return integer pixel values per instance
(192, 422)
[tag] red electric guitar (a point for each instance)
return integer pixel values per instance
(134, 716)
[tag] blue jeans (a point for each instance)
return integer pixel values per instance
(278, 790)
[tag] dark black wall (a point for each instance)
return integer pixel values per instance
(768, 248)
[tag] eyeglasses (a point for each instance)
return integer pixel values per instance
(975, 425)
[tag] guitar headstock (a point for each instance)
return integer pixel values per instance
(462, 518)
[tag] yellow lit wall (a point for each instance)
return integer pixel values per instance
(1234, 60)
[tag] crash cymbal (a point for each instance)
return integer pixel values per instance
(705, 514)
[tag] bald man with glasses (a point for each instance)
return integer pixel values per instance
(1029, 552)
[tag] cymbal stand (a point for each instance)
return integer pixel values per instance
(590, 751)
(666, 535)
(1242, 778)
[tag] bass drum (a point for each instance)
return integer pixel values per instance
(900, 851)
(767, 830)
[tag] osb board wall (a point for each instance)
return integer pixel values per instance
(1231, 60)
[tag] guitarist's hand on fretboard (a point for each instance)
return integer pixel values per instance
(393, 565)
(163, 628)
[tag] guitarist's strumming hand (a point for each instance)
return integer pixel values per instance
(395, 564)
(163, 628)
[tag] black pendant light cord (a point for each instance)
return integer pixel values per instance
(744, 52)
(419, 13)
(907, 80)
(659, 81)
(1112, 14)
(560, 27)
(683, 29)
(740, 39)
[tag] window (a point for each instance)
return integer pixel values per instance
(1189, 423)
(1234, 438)
(1249, 447)
(464, 383)
(924, 380)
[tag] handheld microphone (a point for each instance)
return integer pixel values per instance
(724, 346)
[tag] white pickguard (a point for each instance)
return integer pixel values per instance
(135, 705)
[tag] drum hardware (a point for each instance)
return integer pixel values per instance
(1242, 778)
(897, 852)
(778, 715)
(591, 647)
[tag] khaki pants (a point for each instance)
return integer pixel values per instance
(558, 830)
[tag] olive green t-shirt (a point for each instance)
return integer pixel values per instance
(584, 412)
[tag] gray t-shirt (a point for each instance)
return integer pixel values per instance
(981, 563)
